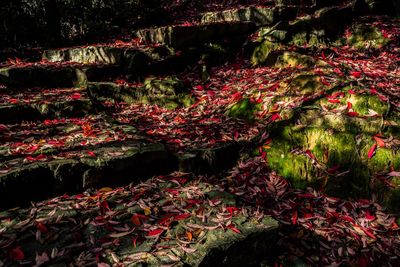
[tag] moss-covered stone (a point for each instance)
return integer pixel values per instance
(244, 109)
(182, 35)
(365, 37)
(257, 15)
(264, 54)
(85, 55)
(168, 92)
(49, 75)
(292, 59)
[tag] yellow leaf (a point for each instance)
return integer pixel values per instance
(105, 189)
(147, 211)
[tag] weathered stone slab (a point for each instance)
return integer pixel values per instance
(52, 75)
(163, 212)
(181, 35)
(60, 109)
(169, 92)
(260, 16)
(257, 15)
(29, 104)
(86, 55)
(110, 166)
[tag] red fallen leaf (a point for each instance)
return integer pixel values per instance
(379, 141)
(352, 114)
(193, 201)
(136, 220)
(231, 210)
(210, 93)
(369, 216)
(91, 153)
(372, 150)
(120, 81)
(274, 87)
(42, 228)
(334, 101)
(310, 154)
(333, 169)
(373, 91)
(104, 206)
(383, 98)
(76, 96)
(368, 233)
(199, 87)
(155, 232)
(32, 148)
(294, 217)
(351, 91)
(237, 96)
(349, 105)
(166, 220)
(136, 240)
(355, 74)
(275, 117)
(325, 82)
(40, 157)
(347, 218)
(236, 136)
(336, 95)
(182, 216)
(338, 71)
(172, 191)
(234, 229)
(17, 254)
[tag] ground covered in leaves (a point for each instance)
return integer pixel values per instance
(310, 133)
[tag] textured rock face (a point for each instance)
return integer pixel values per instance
(259, 16)
(43, 179)
(85, 55)
(168, 92)
(52, 75)
(180, 36)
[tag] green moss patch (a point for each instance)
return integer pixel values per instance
(244, 109)
(365, 36)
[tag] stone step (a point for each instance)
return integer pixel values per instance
(55, 156)
(131, 58)
(53, 74)
(39, 104)
(260, 16)
(184, 35)
(136, 62)
(234, 234)
(168, 92)
(72, 154)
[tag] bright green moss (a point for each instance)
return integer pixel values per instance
(364, 103)
(244, 109)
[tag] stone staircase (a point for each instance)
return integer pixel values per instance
(76, 121)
